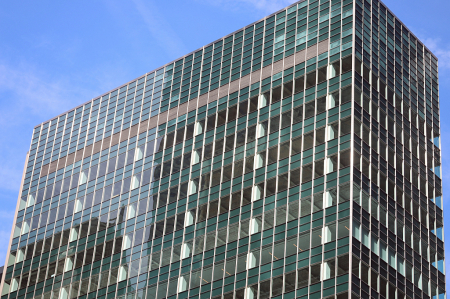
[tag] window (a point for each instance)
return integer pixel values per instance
(139, 153)
(299, 84)
(322, 74)
(287, 89)
(310, 109)
(276, 94)
(135, 181)
(334, 69)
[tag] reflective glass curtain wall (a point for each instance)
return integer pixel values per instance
(298, 157)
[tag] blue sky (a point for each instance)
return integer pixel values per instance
(58, 54)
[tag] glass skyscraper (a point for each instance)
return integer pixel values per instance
(298, 157)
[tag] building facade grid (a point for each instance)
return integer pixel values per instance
(298, 157)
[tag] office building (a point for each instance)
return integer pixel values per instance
(298, 157)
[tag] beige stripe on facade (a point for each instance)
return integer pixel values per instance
(184, 108)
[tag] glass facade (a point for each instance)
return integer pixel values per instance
(298, 157)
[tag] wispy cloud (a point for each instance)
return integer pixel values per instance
(27, 99)
(441, 50)
(160, 28)
(29, 96)
(266, 6)
(30, 93)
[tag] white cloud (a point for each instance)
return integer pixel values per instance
(160, 28)
(439, 49)
(29, 93)
(27, 98)
(266, 6)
